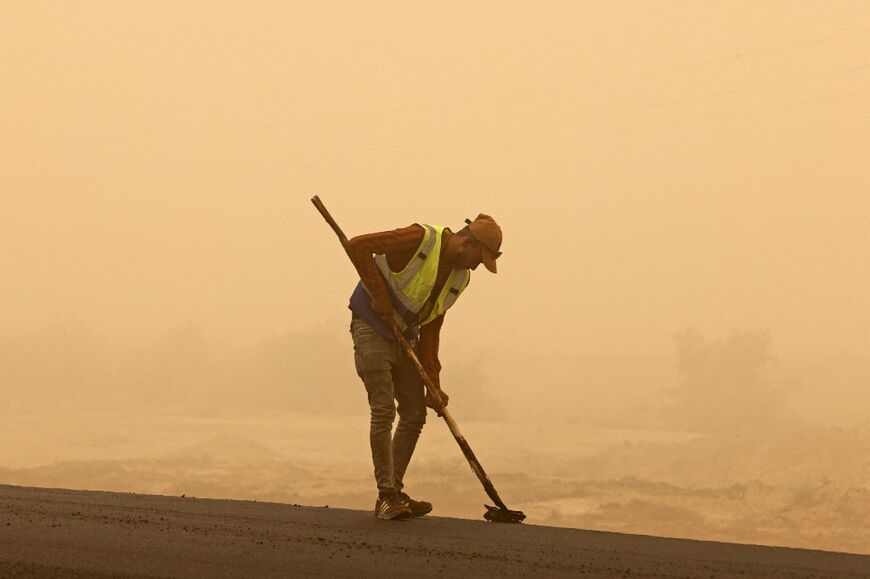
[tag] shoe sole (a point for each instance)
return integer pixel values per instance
(397, 517)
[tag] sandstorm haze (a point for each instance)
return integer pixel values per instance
(677, 339)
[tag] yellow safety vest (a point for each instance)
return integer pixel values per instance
(411, 287)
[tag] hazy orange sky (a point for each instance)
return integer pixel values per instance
(654, 165)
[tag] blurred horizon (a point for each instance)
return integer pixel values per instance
(734, 382)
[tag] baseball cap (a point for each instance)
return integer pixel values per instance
(485, 230)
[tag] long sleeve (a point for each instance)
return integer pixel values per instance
(430, 335)
(362, 249)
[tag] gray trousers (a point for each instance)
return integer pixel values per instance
(389, 377)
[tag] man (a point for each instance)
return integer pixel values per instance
(414, 275)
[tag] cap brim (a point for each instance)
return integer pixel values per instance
(488, 259)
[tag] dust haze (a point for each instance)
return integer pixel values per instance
(676, 342)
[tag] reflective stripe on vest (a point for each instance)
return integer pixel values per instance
(412, 287)
(449, 293)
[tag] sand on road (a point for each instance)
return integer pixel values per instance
(66, 533)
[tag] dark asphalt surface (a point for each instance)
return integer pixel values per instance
(65, 533)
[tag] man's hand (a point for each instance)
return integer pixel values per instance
(433, 404)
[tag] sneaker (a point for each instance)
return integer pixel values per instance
(391, 508)
(418, 508)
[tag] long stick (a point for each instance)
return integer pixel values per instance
(427, 381)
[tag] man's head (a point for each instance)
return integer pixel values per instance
(479, 242)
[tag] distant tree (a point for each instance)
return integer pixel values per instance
(725, 385)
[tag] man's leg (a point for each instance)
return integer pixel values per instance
(375, 357)
(411, 394)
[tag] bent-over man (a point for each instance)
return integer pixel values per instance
(409, 278)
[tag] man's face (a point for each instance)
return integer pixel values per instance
(469, 255)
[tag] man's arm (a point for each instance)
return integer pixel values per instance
(430, 336)
(362, 249)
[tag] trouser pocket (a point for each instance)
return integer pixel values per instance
(372, 352)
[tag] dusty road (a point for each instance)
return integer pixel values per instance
(64, 533)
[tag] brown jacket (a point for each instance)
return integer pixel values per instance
(400, 246)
